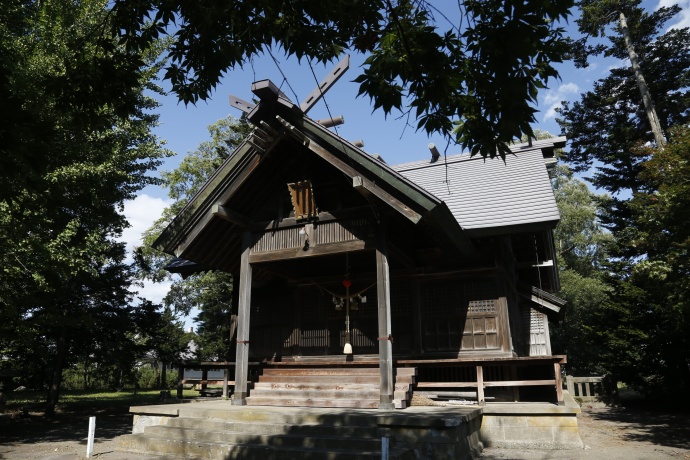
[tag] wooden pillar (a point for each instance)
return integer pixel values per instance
(480, 386)
(559, 383)
(239, 397)
(387, 383)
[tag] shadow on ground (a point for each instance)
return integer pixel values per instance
(657, 426)
(33, 428)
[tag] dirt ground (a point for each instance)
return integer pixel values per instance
(629, 433)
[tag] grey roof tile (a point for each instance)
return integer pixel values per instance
(489, 193)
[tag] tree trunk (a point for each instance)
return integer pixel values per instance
(163, 376)
(56, 377)
(642, 84)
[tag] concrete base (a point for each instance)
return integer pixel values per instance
(419, 432)
(531, 425)
(415, 433)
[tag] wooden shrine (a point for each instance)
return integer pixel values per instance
(443, 267)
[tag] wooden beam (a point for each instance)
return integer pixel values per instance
(241, 104)
(397, 254)
(502, 383)
(321, 218)
(231, 216)
(320, 250)
(239, 398)
(368, 188)
(362, 184)
(234, 185)
(326, 84)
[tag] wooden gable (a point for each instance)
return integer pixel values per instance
(249, 194)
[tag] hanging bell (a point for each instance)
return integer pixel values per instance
(348, 346)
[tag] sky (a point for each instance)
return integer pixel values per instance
(184, 127)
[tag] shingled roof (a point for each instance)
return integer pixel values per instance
(490, 197)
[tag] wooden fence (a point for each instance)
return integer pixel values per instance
(586, 389)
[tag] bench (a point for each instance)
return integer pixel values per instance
(200, 384)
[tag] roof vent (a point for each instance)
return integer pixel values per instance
(435, 155)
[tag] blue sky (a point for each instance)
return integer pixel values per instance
(183, 128)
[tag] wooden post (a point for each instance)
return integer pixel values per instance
(180, 377)
(514, 376)
(385, 337)
(204, 378)
(226, 371)
(239, 397)
(559, 383)
(480, 386)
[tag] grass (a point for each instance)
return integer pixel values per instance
(83, 401)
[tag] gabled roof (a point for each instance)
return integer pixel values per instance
(209, 229)
(489, 197)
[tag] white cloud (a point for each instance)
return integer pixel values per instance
(153, 291)
(553, 99)
(141, 212)
(683, 18)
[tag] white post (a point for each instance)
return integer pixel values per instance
(92, 432)
(385, 447)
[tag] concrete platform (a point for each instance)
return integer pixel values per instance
(218, 429)
(458, 432)
(531, 425)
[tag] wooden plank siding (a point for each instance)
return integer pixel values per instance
(444, 317)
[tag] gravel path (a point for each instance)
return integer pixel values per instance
(609, 434)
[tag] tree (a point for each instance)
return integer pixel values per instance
(596, 15)
(641, 327)
(606, 123)
(479, 74)
(84, 122)
(582, 249)
(209, 291)
(161, 335)
(654, 285)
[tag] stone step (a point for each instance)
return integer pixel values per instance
(316, 429)
(217, 450)
(280, 440)
(315, 402)
(257, 415)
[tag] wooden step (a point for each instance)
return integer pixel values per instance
(345, 393)
(337, 371)
(325, 386)
(313, 402)
(351, 386)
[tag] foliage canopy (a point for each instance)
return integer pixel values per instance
(472, 77)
